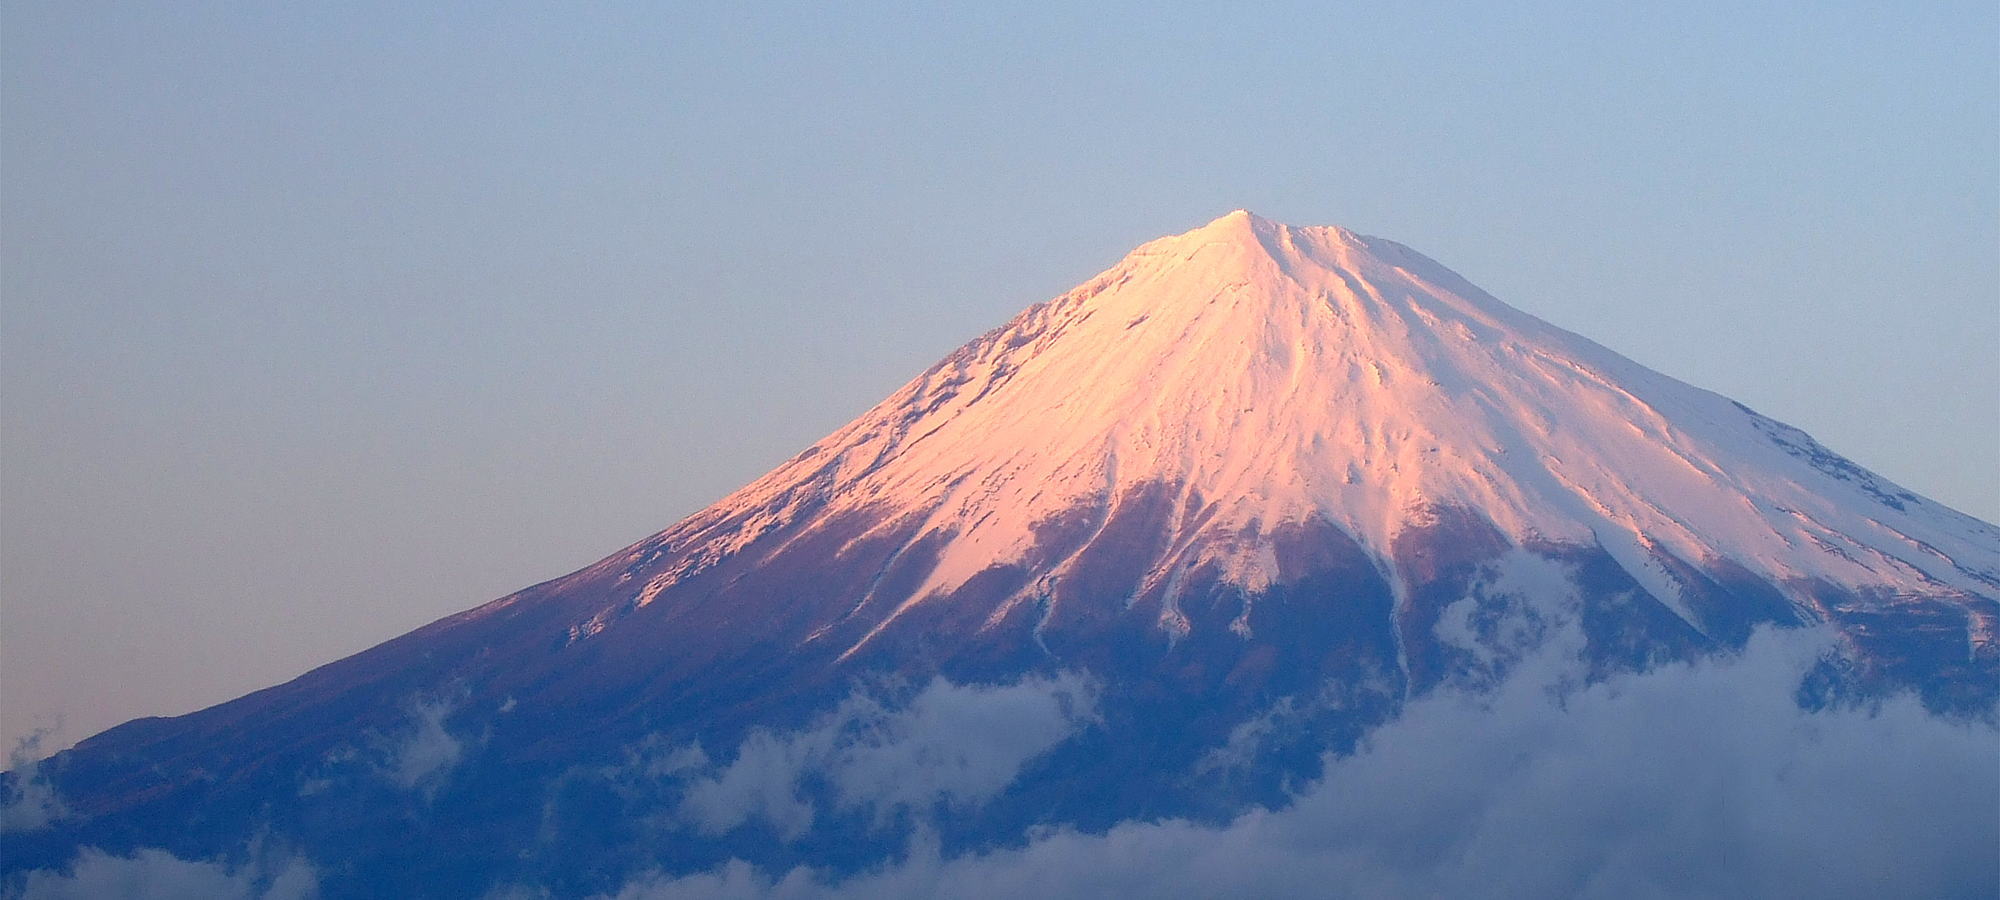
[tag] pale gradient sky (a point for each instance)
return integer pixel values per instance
(319, 324)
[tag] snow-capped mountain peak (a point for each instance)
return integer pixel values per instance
(1248, 375)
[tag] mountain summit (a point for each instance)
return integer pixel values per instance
(1248, 492)
(1218, 387)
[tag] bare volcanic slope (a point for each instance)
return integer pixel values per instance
(1249, 467)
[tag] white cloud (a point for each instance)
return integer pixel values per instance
(158, 875)
(763, 781)
(1702, 779)
(427, 752)
(33, 802)
(952, 744)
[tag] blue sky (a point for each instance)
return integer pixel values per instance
(319, 323)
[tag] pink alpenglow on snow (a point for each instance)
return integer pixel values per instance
(1277, 374)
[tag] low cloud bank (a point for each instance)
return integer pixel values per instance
(1693, 779)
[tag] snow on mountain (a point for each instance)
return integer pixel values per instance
(1268, 374)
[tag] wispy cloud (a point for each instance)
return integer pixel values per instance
(956, 745)
(95, 875)
(425, 752)
(30, 802)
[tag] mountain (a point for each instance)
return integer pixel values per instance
(1243, 496)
